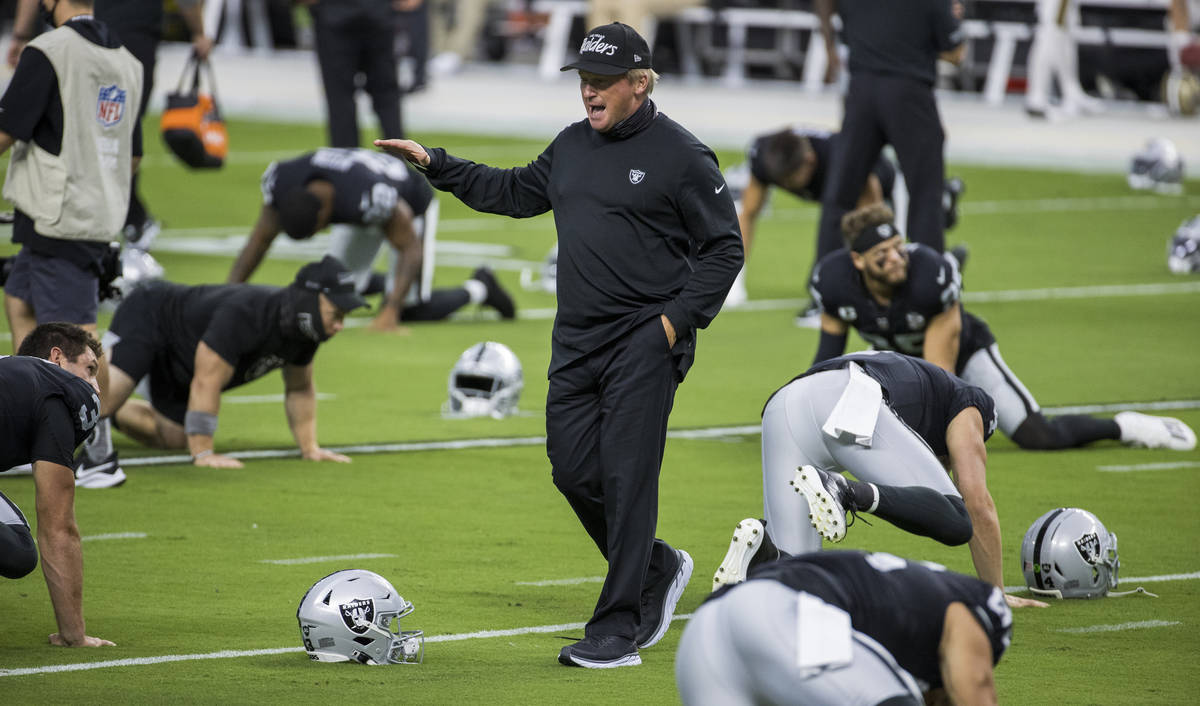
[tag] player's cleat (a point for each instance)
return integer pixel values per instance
(106, 474)
(960, 253)
(952, 191)
(496, 298)
(24, 469)
(142, 237)
(601, 653)
(659, 600)
(750, 546)
(809, 317)
(829, 497)
(1139, 429)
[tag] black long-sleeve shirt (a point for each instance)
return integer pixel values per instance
(646, 226)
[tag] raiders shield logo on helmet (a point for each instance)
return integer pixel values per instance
(1089, 547)
(636, 176)
(358, 614)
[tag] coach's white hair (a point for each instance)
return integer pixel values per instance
(650, 74)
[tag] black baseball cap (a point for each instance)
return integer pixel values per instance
(331, 278)
(611, 50)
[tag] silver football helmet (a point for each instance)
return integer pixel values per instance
(486, 381)
(1067, 553)
(1158, 166)
(1183, 252)
(347, 617)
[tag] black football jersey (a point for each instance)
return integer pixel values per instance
(367, 184)
(822, 142)
(923, 395)
(900, 603)
(245, 324)
(934, 285)
(45, 411)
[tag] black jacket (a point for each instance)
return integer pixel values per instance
(646, 226)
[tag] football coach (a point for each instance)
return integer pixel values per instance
(648, 246)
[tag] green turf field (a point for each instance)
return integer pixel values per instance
(469, 534)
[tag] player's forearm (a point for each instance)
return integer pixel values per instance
(24, 22)
(407, 269)
(972, 689)
(985, 543)
(301, 408)
(200, 421)
(193, 16)
(62, 565)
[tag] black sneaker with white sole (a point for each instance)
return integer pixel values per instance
(106, 474)
(659, 600)
(604, 652)
(751, 545)
(496, 298)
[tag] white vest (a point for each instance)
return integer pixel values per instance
(83, 192)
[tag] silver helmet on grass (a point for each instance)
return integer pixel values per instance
(1068, 553)
(486, 381)
(1183, 252)
(1157, 166)
(348, 617)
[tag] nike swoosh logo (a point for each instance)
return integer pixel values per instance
(719, 189)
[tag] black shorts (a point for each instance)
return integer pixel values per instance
(56, 288)
(138, 346)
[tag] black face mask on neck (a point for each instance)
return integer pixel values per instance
(301, 314)
(48, 15)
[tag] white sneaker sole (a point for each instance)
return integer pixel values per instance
(627, 661)
(680, 582)
(100, 479)
(747, 539)
(823, 511)
(1152, 432)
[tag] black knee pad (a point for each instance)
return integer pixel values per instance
(18, 553)
(1038, 433)
(960, 530)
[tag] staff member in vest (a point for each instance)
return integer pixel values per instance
(138, 25)
(894, 48)
(648, 245)
(71, 111)
(48, 403)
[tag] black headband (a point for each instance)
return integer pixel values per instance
(873, 235)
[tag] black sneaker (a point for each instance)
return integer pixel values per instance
(952, 191)
(496, 298)
(960, 253)
(750, 546)
(601, 653)
(829, 498)
(106, 474)
(659, 600)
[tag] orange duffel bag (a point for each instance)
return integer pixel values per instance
(191, 125)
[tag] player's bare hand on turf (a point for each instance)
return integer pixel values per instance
(88, 641)
(405, 149)
(319, 454)
(218, 461)
(1018, 602)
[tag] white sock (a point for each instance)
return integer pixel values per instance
(99, 445)
(875, 503)
(476, 290)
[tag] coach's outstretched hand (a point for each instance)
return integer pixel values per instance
(405, 149)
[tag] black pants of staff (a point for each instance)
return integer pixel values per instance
(144, 47)
(887, 109)
(345, 51)
(606, 427)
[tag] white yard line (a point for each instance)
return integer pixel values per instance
(1129, 580)
(1165, 466)
(510, 442)
(1139, 625)
(323, 559)
(256, 399)
(563, 582)
(113, 535)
